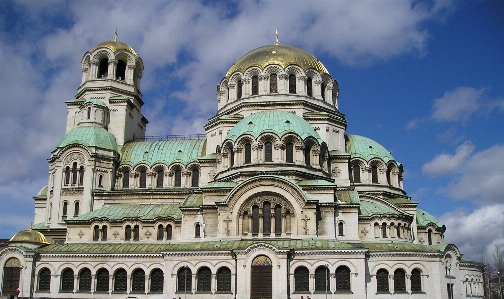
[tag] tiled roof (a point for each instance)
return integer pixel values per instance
(193, 201)
(367, 149)
(424, 219)
(368, 208)
(90, 137)
(144, 212)
(96, 102)
(403, 247)
(348, 196)
(165, 152)
(273, 121)
(316, 183)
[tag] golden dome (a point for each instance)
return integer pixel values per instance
(29, 236)
(115, 46)
(278, 54)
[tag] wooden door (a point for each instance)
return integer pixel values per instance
(261, 278)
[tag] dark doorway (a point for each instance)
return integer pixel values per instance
(261, 279)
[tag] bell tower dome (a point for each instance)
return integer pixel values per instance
(111, 73)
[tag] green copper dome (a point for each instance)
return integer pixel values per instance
(276, 122)
(367, 149)
(90, 137)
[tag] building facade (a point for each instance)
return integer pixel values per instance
(275, 200)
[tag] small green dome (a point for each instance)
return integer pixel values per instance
(276, 122)
(90, 137)
(367, 149)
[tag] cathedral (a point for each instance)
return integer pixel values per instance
(275, 200)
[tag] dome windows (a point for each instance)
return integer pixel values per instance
(273, 83)
(103, 68)
(292, 84)
(121, 70)
(255, 85)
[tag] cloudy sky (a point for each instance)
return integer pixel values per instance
(423, 78)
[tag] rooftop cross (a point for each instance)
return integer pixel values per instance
(276, 36)
(115, 35)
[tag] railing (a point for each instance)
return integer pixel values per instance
(171, 137)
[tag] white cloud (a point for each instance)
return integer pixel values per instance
(443, 164)
(458, 105)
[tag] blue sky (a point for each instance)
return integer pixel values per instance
(422, 78)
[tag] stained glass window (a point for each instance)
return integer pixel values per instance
(120, 278)
(204, 280)
(138, 281)
(157, 280)
(416, 280)
(67, 280)
(322, 282)
(102, 280)
(224, 280)
(44, 281)
(85, 280)
(301, 279)
(399, 280)
(382, 281)
(343, 278)
(184, 281)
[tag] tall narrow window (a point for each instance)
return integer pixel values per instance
(292, 83)
(384, 230)
(120, 280)
(301, 279)
(67, 175)
(204, 280)
(125, 179)
(138, 281)
(195, 177)
(255, 85)
(382, 284)
(248, 153)
(44, 280)
(121, 70)
(178, 177)
(65, 209)
(255, 220)
(268, 152)
(399, 281)
(197, 230)
(67, 280)
(88, 112)
(224, 280)
(102, 280)
(100, 180)
(399, 230)
(340, 229)
(322, 282)
(231, 157)
(309, 87)
(168, 232)
(388, 176)
(429, 236)
(136, 233)
(96, 233)
(307, 154)
(157, 281)
(85, 280)
(103, 68)
(343, 279)
(81, 176)
(278, 219)
(159, 178)
(356, 174)
(266, 218)
(127, 233)
(239, 87)
(104, 233)
(416, 281)
(143, 178)
(184, 281)
(289, 152)
(160, 232)
(374, 174)
(76, 208)
(322, 90)
(74, 173)
(273, 83)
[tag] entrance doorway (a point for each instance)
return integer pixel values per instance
(261, 279)
(11, 271)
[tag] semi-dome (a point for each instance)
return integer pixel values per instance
(277, 54)
(115, 46)
(366, 149)
(274, 121)
(90, 137)
(29, 236)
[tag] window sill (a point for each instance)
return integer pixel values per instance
(203, 292)
(137, 292)
(223, 292)
(155, 292)
(301, 292)
(322, 292)
(66, 292)
(343, 292)
(383, 293)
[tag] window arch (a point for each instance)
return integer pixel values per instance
(239, 89)
(343, 278)
(255, 220)
(195, 177)
(307, 155)
(127, 233)
(356, 173)
(322, 90)
(289, 152)
(159, 178)
(121, 70)
(125, 179)
(248, 153)
(85, 280)
(273, 83)
(292, 83)
(399, 280)
(102, 280)
(224, 280)
(197, 230)
(429, 236)
(384, 230)
(103, 68)
(160, 232)
(136, 233)
(382, 283)
(169, 232)
(65, 210)
(278, 219)
(301, 279)
(67, 280)
(143, 178)
(74, 173)
(44, 279)
(309, 87)
(255, 85)
(267, 218)
(120, 280)
(81, 176)
(104, 233)
(178, 177)
(204, 277)
(340, 229)
(88, 112)
(416, 281)
(67, 175)
(157, 281)
(374, 174)
(322, 281)
(100, 180)
(96, 233)
(268, 151)
(138, 281)
(184, 281)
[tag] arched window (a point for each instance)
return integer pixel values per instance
(399, 230)
(102, 280)
(143, 178)
(309, 87)
(160, 232)
(273, 83)
(292, 83)
(239, 87)
(96, 233)
(356, 174)
(266, 218)
(127, 233)
(197, 230)
(399, 281)
(388, 176)
(429, 236)
(136, 233)
(204, 277)
(81, 176)
(416, 281)
(100, 180)
(121, 70)
(157, 281)
(301, 279)
(278, 219)
(255, 85)
(322, 282)
(67, 280)
(224, 280)
(195, 177)
(231, 157)
(384, 230)
(168, 232)
(74, 173)
(248, 153)
(85, 280)
(159, 178)
(44, 280)
(178, 177)
(374, 174)
(340, 229)
(322, 90)
(65, 209)
(289, 152)
(184, 281)
(382, 283)
(120, 280)
(125, 179)
(88, 112)
(103, 68)
(104, 233)
(307, 154)
(268, 152)
(138, 281)
(255, 220)
(342, 278)
(67, 175)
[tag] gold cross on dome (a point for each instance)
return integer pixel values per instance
(276, 37)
